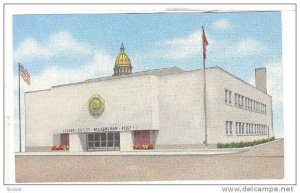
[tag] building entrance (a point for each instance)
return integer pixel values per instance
(108, 141)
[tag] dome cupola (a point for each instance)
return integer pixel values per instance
(122, 63)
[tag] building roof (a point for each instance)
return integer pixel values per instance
(156, 72)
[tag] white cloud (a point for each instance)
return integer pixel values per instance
(63, 44)
(185, 47)
(101, 65)
(221, 24)
(58, 44)
(191, 45)
(246, 47)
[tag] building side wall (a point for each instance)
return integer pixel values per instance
(128, 102)
(219, 112)
(39, 118)
(180, 109)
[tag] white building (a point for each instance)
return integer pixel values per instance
(164, 107)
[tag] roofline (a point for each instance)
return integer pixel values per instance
(49, 89)
(242, 80)
(137, 74)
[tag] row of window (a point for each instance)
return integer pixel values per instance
(245, 102)
(103, 140)
(246, 128)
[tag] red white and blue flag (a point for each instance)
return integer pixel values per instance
(24, 74)
(204, 42)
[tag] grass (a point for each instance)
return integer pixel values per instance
(244, 144)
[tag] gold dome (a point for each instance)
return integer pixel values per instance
(122, 59)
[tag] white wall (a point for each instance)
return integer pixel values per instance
(219, 112)
(181, 109)
(129, 101)
(126, 143)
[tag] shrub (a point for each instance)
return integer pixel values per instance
(143, 146)
(244, 144)
(60, 147)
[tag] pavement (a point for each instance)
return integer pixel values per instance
(265, 161)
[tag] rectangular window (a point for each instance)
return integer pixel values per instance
(242, 128)
(249, 104)
(256, 129)
(227, 96)
(243, 101)
(103, 141)
(228, 128)
(236, 99)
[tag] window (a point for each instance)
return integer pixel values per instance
(103, 141)
(228, 127)
(227, 96)
(243, 101)
(236, 99)
(249, 104)
(256, 129)
(242, 128)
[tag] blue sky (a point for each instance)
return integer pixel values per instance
(58, 49)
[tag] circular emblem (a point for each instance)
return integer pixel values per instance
(96, 105)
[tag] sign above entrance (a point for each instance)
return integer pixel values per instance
(98, 129)
(96, 105)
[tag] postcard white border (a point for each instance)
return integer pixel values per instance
(288, 42)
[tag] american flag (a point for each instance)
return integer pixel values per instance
(204, 42)
(25, 75)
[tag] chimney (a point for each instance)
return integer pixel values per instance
(261, 79)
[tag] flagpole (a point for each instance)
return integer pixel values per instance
(205, 111)
(19, 107)
(204, 92)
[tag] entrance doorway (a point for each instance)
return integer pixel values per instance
(108, 141)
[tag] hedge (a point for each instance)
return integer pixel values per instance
(244, 144)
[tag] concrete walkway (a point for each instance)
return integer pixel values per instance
(260, 162)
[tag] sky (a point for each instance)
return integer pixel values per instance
(59, 49)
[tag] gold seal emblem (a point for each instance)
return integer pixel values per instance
(96, 105)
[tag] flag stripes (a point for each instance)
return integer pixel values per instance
(24, 74)
(204, 42)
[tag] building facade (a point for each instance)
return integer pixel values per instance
(162, 108)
